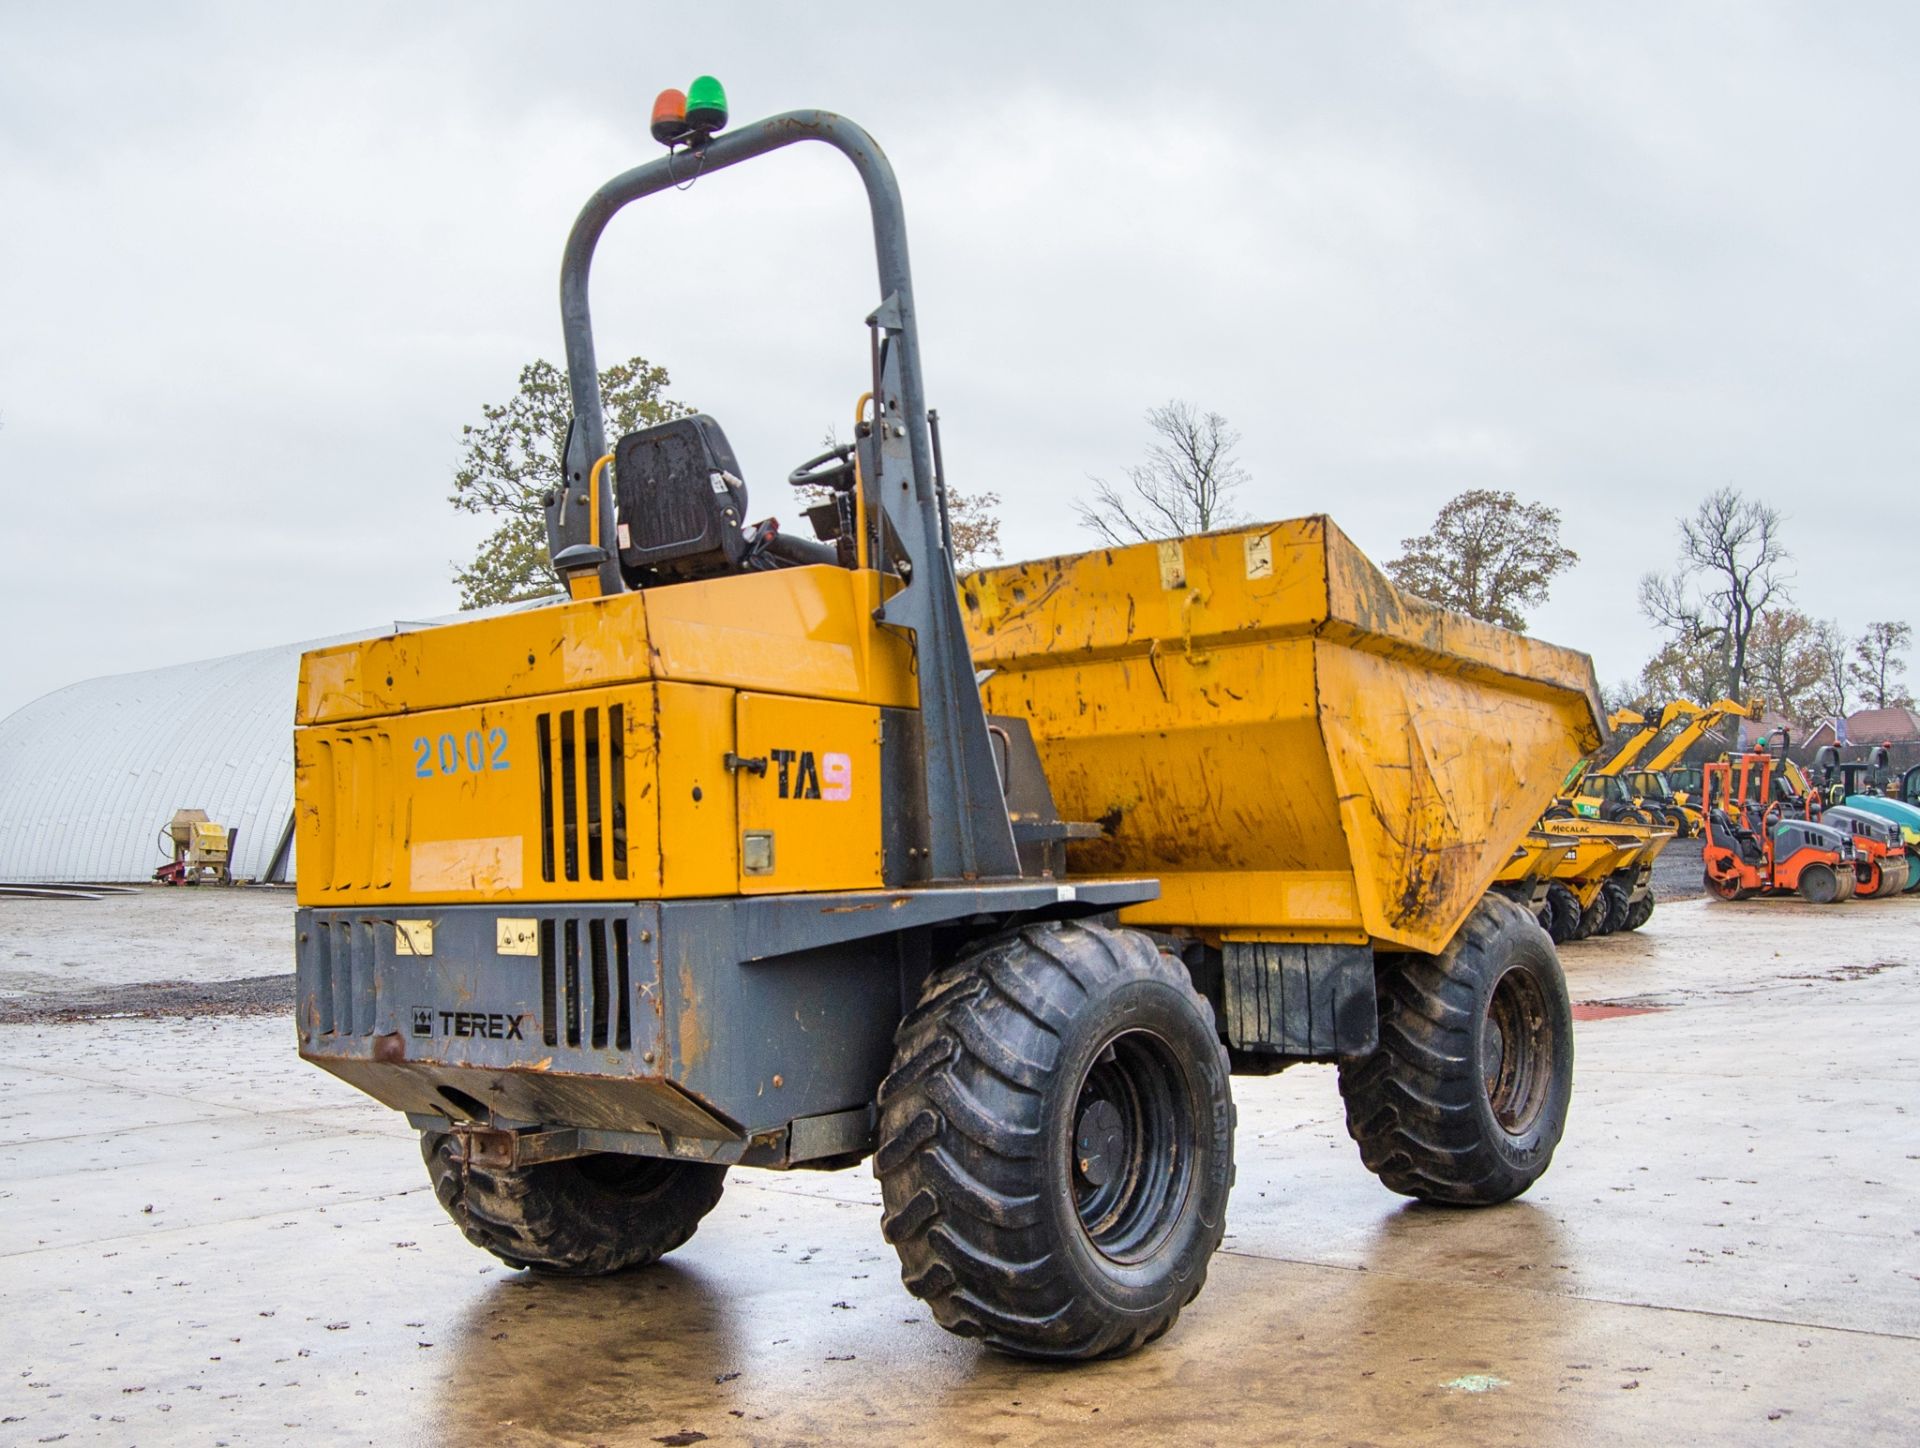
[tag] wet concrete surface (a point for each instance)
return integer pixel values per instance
(204, 1240)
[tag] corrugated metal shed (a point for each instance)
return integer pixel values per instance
(90, 774)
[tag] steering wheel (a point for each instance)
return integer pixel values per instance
(833, 469)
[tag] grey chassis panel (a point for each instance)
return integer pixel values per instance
(742, 1015)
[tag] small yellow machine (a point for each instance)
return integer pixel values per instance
(722, 861)
(199, 850)
(1601, 880)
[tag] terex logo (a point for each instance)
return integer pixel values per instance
(488, 1025)
(801, 777)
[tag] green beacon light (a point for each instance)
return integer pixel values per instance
(706, 105)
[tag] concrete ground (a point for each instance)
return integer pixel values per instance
(204, 1240)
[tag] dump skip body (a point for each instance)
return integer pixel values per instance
(1300, 751)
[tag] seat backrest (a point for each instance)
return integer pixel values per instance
(681, 499)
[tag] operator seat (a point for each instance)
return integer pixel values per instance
(681, 502)
(1744, 839)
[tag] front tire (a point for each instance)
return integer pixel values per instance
(1619, 906)
(1640, 912)
(582, 1217)
(1593, 916)
(1467, 1096)
(1056, 1142)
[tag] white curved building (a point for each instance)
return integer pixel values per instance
(91, 774)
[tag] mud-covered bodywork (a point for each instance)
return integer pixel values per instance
(1299, 750)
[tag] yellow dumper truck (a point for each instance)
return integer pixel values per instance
(724, 860)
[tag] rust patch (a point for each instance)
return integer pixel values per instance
(390, 1048)
(692, 1033)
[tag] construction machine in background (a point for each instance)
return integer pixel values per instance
(1759, 843)
(1583, 879)
(1868, 787)
(1632, 785)
(198, 848)
(723, 862)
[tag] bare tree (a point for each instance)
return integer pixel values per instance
(1832, 697)
(1732, 565)
(1487, 555)
(1184, 486)
(1878, 654)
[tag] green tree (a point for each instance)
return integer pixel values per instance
(512, 458)
(975, 529)
(1788, 664)
(1685, 667)
(1488, 556)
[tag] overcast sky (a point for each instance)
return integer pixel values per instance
(259, 263)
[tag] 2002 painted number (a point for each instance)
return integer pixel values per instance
(477, 753)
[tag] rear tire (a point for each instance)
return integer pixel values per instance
(1056, 1142)
(1725, 887)
(1640, 912)
(582, 1217)
(1563, 913)
(1467, 1096)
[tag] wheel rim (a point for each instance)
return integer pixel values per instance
(1133, 1146)
(1516, 1052)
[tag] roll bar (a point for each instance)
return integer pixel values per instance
(969, 835)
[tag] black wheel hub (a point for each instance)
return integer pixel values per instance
(1516, 1052)
(1099, 1143)
(1133, 1146)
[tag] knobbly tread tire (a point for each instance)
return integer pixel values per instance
(1563, 908)
(1418, 1106)
(1619, 905)
(976, 1141)
(1593, 917)
(556, 1217)
(1640, 912)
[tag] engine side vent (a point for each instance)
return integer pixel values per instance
(347, 983)
(583, 793)
(586, 982)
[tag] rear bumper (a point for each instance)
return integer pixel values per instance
(727, 1029)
